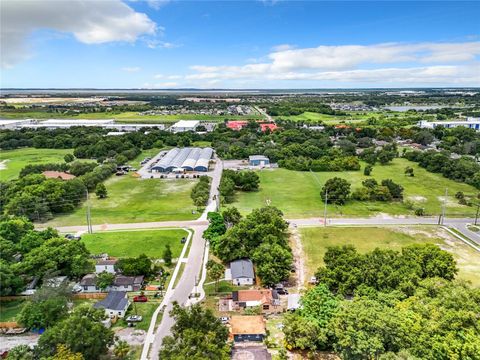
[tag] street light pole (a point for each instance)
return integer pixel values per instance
(325, 209)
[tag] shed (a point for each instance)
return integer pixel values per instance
(248, 328)
(293, 302)
(242, 272)
(115, 304)
(258, 160)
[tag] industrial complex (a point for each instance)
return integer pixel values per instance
(186, 159)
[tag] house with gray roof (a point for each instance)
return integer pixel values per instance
(242, 272)
(115, 304)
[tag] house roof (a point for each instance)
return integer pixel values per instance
(257, 157)
(242, 268)
(127, 280)
(58, 174)
(88, 280)
(247, 325)
(264, 296)
(115, 300)
(106, 262)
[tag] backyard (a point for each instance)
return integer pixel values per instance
(315, 242)
(135, 242)
(12, 161)
(297, 193)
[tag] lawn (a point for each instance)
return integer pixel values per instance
(9, 310)
(316, 240)
(135, 242)
(136, 200)
(16, 160)
(297, 193)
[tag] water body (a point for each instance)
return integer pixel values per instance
(414, 107)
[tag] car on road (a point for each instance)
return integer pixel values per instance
(134, 318)
(140, 298)
(224, 319)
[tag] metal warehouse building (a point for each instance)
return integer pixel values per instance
(189, 159)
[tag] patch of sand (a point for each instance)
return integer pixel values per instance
(417, 198)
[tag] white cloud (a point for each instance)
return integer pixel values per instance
(132, 69)
(157, 4)
(420, 63)
(91, 22)
(154, 44)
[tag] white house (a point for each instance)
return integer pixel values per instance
(121, 283)
(105, 265)
(115, 304)
(184, 125)
(242, 272)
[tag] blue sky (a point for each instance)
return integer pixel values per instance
(239, 44)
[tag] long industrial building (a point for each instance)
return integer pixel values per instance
(186, 159)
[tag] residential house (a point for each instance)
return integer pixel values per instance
(115, 304)
(121, 283)
(267, 299)
(242, 272)
(248, 328)
(107, 265)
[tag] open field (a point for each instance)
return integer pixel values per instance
(136, 200)
(12, 161)
(9, 310)
(135, 242)
(123, 117)
(316, 240)
(297, 193)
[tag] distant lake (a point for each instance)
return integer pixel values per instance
(414, 107)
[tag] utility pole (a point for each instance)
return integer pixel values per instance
(444, 205)
(89, 219)
(476, 215)
(325, 209)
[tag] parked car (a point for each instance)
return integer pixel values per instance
(134, 318)
(72, 237)
(140, 298)
(282, 291)
(224, 319)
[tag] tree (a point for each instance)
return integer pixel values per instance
(64, 353)
(215, 228)
(336, 191)
(121, 159)
(395, 189)
(12, 283)
(84, 323)
(101, 191)
(121, 350)
(21, 352)
(215, 271)
(231, 216)
(409, 171)
(141, 265)
(227, 189)
(68, 158)
(104, 280)
(167, 255)
(368, 170)
(196, 334)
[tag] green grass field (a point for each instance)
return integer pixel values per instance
(9, 310)
(136, 200)
(123, 117)
(316, 240)
(12, 161)
(133, 243)
(297, 193)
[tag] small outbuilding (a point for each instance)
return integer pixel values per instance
(293, 302)
(242, 272)
(258, 160)
(248, 328)
(115, 304)
(105, 266)
(184, 125)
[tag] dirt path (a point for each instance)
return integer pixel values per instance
(299, 258)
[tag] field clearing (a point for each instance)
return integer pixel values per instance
(316, 240)
(331, 119)
(136, 242)
(12, 161)
(297, 193)
(136, 200)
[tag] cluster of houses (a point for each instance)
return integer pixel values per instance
(251, 328)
